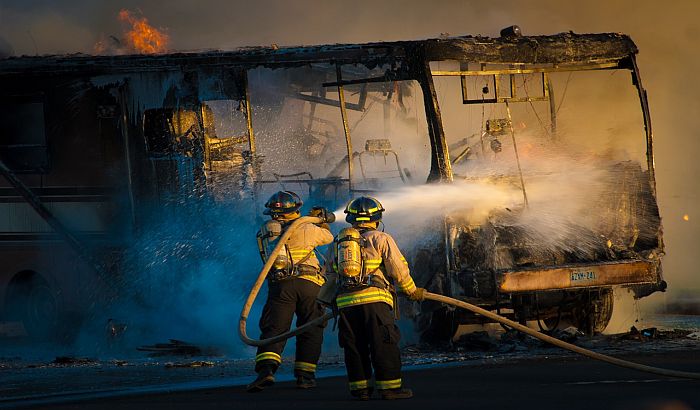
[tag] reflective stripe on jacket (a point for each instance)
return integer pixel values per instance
(382, 259)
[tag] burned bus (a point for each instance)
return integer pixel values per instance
(99, 152)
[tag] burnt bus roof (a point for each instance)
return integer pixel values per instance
(564, 48)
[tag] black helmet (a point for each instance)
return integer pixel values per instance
(282, 202)
(364, 209)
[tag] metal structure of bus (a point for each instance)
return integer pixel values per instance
(32, 80)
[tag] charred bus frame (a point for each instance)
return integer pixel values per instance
(408, 60)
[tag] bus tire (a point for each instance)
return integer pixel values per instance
(31, 300)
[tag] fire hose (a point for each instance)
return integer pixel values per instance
(560, 343)
(437, 298)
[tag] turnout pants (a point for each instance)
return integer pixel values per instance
(369, 336)
(284, 299)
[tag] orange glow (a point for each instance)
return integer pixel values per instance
(686, 217)
(142, 37)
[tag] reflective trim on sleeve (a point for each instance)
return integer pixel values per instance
(364, 296)
(372, 264)
(407, 286)
(388, 384)
(268, 356)
(360, 384)
(305, 367)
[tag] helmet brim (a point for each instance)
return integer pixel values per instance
(354, 218)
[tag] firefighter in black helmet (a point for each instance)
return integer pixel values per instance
(293, 285)
(362, 269)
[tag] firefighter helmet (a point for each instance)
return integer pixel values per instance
(282, 203)
(364, 209)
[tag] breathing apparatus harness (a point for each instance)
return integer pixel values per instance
(350, 260)
(283, 266)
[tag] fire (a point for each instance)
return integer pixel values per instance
(686, 217)
(142, 37)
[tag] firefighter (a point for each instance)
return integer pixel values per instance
(363, 266)
(294, 282)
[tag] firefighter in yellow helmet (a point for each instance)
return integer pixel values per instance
(294, 282)
(363, 266)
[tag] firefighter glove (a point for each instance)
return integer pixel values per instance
(333, 307)
(418, 295)
(320, 212)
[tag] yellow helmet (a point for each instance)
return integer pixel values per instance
(364, 209)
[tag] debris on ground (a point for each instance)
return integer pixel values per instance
(477, 341)
(198, 363)
(178, 348)
(74, 361)
(516, 341)
(654, 333)
(482, 345)
(115, 328)
(570, 335)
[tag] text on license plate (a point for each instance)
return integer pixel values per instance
(585, 275)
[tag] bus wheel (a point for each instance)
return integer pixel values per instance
(593, 315)
(441, 327)
(32, 301)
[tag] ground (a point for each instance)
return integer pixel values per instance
(571, 383)
(478, 368)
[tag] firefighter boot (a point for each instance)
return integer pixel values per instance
(305, 381)
(395, 394)
(266, 378)
(362, 394)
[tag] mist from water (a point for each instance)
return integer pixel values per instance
(566, 193)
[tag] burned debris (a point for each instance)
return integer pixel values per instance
(178, 348)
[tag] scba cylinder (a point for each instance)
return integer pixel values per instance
(271, 231)
(349, 253)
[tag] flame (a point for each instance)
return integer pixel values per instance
(142, 37)
(686, 217)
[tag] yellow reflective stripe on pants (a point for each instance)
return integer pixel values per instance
(360, 384)
(388, 384)
(361, 297)
(305, 367)
(268, 356)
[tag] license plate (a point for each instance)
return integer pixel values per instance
(582, 276)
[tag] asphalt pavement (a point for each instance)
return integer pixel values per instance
(559, 383)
